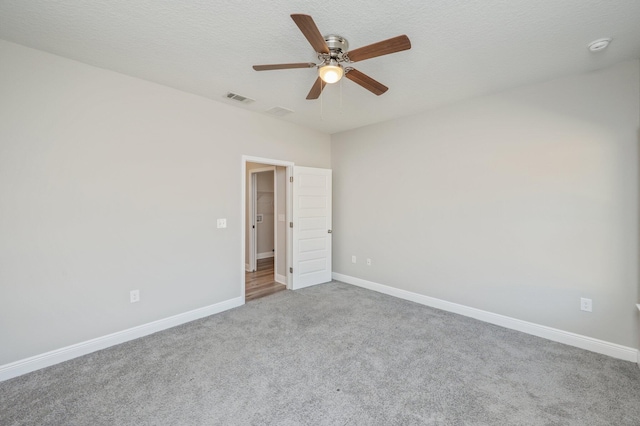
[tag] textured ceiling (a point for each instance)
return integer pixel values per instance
(460, 48)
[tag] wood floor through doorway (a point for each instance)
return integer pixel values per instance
(261, 282)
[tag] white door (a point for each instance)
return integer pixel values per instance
(311, 226)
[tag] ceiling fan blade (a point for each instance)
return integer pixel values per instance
(367, 82)
(283, 66)
(385, 47)
(311, 32)
(316, 90)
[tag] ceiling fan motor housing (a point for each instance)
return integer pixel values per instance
(336, 44)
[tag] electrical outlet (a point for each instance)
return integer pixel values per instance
(134, 296)
(368, 262)
(353, 259)
(586, 304)
(222, 223)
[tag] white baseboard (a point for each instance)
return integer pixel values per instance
(265, 255)
(568, 338)
(47, 359)
(281, 279)
(247, 267)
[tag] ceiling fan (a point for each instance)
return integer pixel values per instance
(333, 54)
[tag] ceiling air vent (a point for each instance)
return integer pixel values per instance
(279, 111)
(239, 98)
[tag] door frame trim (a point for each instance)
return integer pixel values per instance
(243, 213)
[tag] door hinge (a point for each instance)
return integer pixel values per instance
(291, 270)
(290, 178)
(290, 224)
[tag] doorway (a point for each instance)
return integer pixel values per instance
(266, 231)
(302, 223)
(262, 213)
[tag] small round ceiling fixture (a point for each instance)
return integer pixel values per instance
(600, 44)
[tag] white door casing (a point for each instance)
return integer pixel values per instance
(311, 226)
(245, 210)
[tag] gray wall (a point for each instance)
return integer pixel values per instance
(108, 184)
(518, 203)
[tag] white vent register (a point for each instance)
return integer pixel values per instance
(279, 111)
(239, 98)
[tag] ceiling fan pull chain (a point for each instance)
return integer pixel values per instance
(321, 97)
(340, 108)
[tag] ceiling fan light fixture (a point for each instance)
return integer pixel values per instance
(331, 72)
